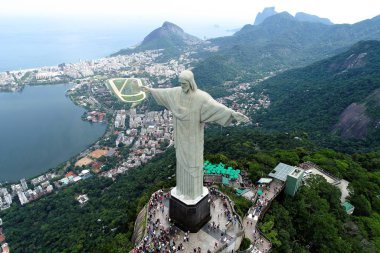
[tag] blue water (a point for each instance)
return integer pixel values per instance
(36, 42)
(39, 129)
(28, 43)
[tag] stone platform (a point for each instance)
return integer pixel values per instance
(188, 216)
(222, 233)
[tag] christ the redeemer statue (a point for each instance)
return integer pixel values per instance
(191, 109)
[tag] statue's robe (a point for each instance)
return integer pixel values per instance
(190, 112)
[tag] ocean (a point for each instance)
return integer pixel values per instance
(37, 42)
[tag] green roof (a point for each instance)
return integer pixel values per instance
(219, 169)
(347, 206)
(240, 192)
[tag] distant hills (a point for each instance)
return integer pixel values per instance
(261, 16)
(339, 95)
(335, 94)
(304, 17)
(168, 36)
(282, 42)
(300, 16)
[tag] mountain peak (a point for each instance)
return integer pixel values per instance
(261, 16)
(171, 26)
(300, 16)
(279, 18)
(305, 17)
(169, 35)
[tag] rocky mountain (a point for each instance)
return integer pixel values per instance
(261, 16)
(339, 95)
(304, 17)
(282, 42)
(300, 16)
(168, 36)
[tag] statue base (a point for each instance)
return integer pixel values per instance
(190, 215)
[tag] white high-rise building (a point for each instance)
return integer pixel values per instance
(24, 184)
(22, 198)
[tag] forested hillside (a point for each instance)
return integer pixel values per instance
(314, 220)
(316, 98)
(282, 42)
(57, 223)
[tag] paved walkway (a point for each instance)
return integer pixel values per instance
(223, 233)
(260, 243)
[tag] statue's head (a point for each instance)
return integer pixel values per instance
(186, 79)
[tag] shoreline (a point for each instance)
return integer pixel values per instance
(5, 183)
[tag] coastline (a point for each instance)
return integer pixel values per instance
(58, 167)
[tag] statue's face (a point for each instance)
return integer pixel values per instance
(185, 85)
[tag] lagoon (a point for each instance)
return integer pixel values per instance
(39, 129)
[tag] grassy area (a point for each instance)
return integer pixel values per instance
(119, 83)
(133, 98)
(131, 87)
(127, 90)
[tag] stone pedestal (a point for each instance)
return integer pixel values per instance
(190, 215)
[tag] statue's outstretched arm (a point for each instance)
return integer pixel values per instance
(145, 89)
(240, 117)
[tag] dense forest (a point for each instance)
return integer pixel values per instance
(313, 221)
(58, 223)
(312, 99)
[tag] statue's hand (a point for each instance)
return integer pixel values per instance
(240, 117)
(145, 89)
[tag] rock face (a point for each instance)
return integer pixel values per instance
(168, 35)
(358, 119)
(339, 95)
(353, 122)
(140, 226)
(261, 16)
(356, 60)
(304, 17)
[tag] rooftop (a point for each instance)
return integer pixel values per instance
(347, 206)
(281, 171)
(264, 180)
(296, 173)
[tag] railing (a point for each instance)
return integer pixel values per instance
(266, 238)
(310, 165)
(146, 208)
(262, 213)
(232, 204)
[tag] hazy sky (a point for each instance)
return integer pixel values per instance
(214, 11)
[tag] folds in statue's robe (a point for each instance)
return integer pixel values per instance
(190, 112)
